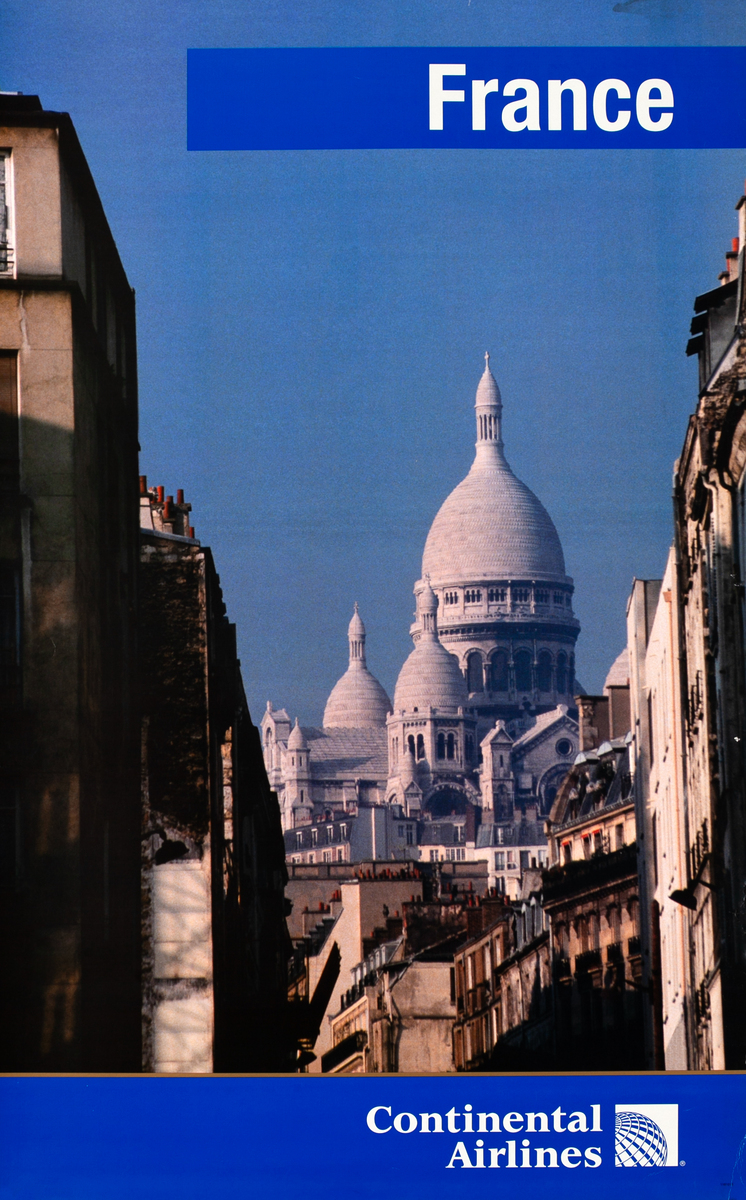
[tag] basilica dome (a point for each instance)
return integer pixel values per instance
(492, 527)
(357, 700)
(430, 678)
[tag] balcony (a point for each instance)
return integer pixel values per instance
(355, 1043)
(587, 961)
(584, 875)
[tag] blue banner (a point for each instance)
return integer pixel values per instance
(467, 97)
(72, 1138)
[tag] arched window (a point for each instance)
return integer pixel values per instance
(469, 748)
(441, 745)
(523, 671)
(410, 743)
(499, 671)
(474, 679)
(544, 672)
(450, 746)
(562, 673)
(420, 746)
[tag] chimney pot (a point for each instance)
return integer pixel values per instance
(143, 485)
(735, 245)
(191, 531)
(161, 494)
(180, 496)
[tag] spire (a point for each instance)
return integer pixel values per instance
(489, 417)
(356, 638)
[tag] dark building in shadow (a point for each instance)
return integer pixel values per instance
(122, 713)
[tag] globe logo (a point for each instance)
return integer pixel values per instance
(638, 1141)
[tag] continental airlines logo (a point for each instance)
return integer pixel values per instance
(646, 1135)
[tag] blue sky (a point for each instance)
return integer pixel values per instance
(312, 324)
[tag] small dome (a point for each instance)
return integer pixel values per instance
(430, 678)
(357, 701)
(297, 741)
(619, 671)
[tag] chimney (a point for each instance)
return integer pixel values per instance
(143, 485)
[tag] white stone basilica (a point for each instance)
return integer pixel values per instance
(482, 720)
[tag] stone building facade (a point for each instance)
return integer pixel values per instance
(687, 637)
(503, 983)
(69, 546)
(591, 896)
(215, 945)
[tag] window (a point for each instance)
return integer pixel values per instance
(567, 852)
(521, 595)
(433, 856)
(299, 839)
(511, 860)
(343, 833)
(401, 831)
(6, 215)
(499, 671)
(523, 671)
(469, 747)
(497, 595)
(500, 885)
(340, 855)
(500, 860)
(441, 746)
(598, 842)
(561, 673)
(524, 860)
(314, 836)
(619, 831)
(542, 597)
(410, 744)
(450, 746)
(564, 747)
(312, 858)
(586, 845)
(420, 746)
(474, 677)
(327, 856)
(544, 672)
(473, 597)
(451, 598)
(559, 598)
(410, 835)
